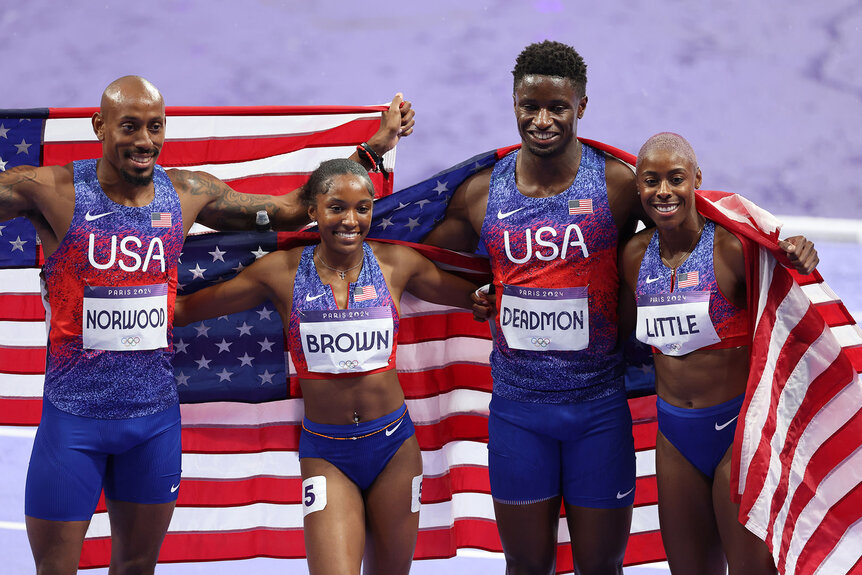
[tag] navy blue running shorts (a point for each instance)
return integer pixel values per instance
(584, 451)
(137, 460)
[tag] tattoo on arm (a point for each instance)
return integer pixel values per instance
(12, 202)
(227, 209)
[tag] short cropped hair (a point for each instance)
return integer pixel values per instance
(668, 141)
(320, 181)
(551, 58)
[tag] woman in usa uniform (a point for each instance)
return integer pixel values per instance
(684, 282)
(339, 300)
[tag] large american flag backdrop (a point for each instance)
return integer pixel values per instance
(240, 495)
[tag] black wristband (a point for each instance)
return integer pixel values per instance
(375, 159)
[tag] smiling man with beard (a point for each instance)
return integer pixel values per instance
(112, 230)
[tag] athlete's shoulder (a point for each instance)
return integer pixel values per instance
(475, 187)
(728, 246)
(636, 247)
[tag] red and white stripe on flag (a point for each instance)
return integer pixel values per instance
(257, 150)
(798, 452)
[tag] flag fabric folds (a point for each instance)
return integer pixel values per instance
(798, 454)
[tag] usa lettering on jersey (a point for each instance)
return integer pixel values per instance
(130, 247)
(572, 238)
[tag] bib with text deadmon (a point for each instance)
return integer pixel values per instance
(676, 323)
(346, 340)
(545, 319)
(126, 318)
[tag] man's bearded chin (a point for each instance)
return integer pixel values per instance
(137, 180)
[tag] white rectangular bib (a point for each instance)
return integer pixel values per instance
(675, 323)
(126, 318)
(545, 319)
(347, 340)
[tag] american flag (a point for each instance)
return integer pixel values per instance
(364, 293)
(160, 219)
(688, 279)
(578, 207)
(241, 489)
(798, 452)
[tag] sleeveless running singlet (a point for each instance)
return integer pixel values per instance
(555, 275)
(695, 315)
(325, 341)
(109, 293)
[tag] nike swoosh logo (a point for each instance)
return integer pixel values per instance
(391, 431)
(622, 495)
(650, 280)
(90, 218)
(503, 216)
(175, 487)
(720, 427)
(309, 298)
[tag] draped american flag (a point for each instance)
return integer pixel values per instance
(240, 494)
(798, 454)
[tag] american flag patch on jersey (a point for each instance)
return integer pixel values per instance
(578, 207)
(364, 293)
(160, 219)
(688, 279)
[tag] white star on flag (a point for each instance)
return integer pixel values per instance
(23, 147)
(266, 345)
(217, 254)
(198, 271)
(18, 244)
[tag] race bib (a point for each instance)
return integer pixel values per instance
(677, 323)
(128, 318)
(545, 319)
(347, 340)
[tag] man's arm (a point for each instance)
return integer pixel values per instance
(17, 187)
(208, 200)
(462, 224)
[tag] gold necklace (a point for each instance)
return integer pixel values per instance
(685, 254)
(341, 273)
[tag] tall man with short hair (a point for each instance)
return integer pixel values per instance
(112, 230)
(551, 217)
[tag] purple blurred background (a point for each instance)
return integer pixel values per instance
(768, 92)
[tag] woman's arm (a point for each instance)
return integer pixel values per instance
(413, 272)
(246, 290)
(629, 265)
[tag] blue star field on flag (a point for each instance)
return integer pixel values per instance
(240, 357)
(20, 145)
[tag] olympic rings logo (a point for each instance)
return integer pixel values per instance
(130, 341)
(348, 364)
(540, 341)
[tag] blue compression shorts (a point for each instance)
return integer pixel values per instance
(359, 451)
(136, 460)
(703, 435)
(585, 451)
